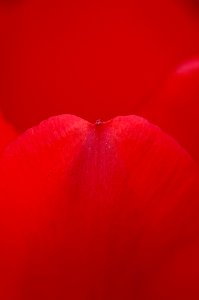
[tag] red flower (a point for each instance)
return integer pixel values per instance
(106, 210)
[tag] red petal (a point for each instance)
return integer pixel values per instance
(104, 211)
(7, 133)
(176, 107)
(95, 59)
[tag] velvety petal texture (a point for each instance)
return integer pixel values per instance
(98, 211)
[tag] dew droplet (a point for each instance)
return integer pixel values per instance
(98, 122)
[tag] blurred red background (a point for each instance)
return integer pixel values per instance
(95, 59)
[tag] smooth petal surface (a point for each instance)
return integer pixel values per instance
(95, 59)
(7, 133)
(98, 211)
(176, 107)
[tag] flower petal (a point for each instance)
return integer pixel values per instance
(176, 107)
(98, 211)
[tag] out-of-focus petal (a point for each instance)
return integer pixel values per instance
(7, 133)
(176, 107)
(95, 59)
